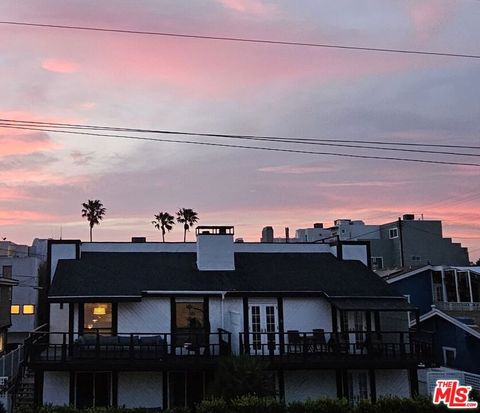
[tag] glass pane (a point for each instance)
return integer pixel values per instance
(189, 314)
(463, 287)
(98, 317)
(102, 389)
(450, 286)
(256, 327)
(84, 391)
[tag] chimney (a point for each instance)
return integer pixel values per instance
(267, 234)
(287, 234)
(318, 225)
(215, 248)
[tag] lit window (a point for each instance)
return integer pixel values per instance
(2, 342)
(28, 309)
(15, 309)
(97, 317)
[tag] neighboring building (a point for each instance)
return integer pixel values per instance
(144, 324)
(22, 262)
(315, 234)
(449, 302)
(404, 243)
(6, 284)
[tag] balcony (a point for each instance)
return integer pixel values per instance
(62, 351)
(320, 349)
(457, 306)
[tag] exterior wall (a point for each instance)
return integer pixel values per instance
(445, 334)
(419, 287)
(5, 319)
(59, 252)
(309, 384)
(25, 270)
(58, 321)
(151, 315)
(392, 383)
(355, 253)
(305, 314)
(140, 389)
(56, 387)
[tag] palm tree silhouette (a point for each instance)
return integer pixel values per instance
(188, 217)
(164, 222)
(94, 212)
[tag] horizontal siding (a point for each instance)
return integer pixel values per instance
(310, 384)
(140, 389)
(56, 388)
(305, 314)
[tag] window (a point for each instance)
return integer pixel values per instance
(190, 322)
(14, 309)
(449, 354)
(7, 271)
(393, 233)
(416, 258)
(377, 263)
(28, 309)
(97, 317)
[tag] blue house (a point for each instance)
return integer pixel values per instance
(448, 299)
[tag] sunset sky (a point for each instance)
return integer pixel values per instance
(154, 82)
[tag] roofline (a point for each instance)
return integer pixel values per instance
(402, 276)
(435, 311)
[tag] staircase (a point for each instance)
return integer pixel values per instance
(25, 393)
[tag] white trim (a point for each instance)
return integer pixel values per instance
(189, 292)
(51, 297)
(452, 320)
(390, 231)
(444, 351)
(399, 277)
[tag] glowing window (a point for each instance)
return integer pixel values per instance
(28, 309)
(98, 317)
(15, 309)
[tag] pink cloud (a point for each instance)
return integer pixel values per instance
(428, 17)
(60, 65)
(21, 144)
(248, 6)
(10, 217)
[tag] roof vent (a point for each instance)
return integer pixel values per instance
(139, 240)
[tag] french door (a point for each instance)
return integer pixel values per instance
(263, 326)
(358, 386)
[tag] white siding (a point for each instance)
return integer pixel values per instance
(355, 253)
(310, 384)
(58, 321)
(56, 388)
(305, 314)
(140, 389)
(392, 383)
(151, 315)
(215, 313)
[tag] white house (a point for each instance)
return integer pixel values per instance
(144, 324)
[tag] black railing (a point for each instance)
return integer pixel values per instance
(62, 347)
(293, 344)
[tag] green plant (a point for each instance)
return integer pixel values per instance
(254, 404)
(242, 375)
(214, 405)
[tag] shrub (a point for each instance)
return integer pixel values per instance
(212, 406)
(255, 404)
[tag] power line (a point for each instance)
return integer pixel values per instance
(243, 40)
(301, 141)
(236, 135)
(262, 148)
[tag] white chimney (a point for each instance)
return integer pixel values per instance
(215, 248)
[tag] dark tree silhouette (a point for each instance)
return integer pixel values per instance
(164, 222)
(188, 217)
(94, 212)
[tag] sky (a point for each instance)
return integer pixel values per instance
(153, 82)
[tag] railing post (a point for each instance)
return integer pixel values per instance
(64, 346)
(97, 345)
(130, 348)
(229, 350)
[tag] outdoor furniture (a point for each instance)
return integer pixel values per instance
(294, 341)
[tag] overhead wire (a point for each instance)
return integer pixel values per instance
(244, 40)
(236, 146)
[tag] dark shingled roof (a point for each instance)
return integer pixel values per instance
(128, 274)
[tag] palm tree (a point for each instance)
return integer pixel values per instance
(163, 221)
(188, 217)
(94, 212)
